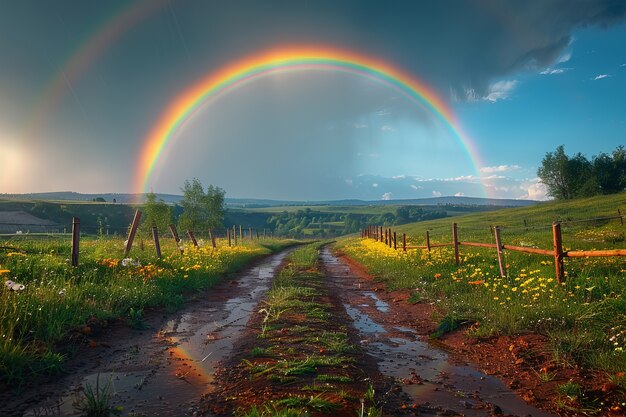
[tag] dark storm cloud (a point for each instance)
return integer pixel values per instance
(457, 45)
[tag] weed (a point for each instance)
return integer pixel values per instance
(256, 352)
(333, 378)
(135, 319)
(571, 390)
(271, 411)
(316, 403)
(96, 400)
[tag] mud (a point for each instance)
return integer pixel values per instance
(433, 382)
(161, 371)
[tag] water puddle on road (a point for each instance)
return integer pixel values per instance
(429, 379)
(169, 375)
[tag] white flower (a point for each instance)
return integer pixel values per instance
(62, 292)
(14, 286)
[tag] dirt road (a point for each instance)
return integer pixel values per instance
(160, 371)
(165, 369)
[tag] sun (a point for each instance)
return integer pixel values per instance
(12, 160)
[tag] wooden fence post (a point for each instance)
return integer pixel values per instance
(228, 233)
(390, 242)
(558, 252)
(235, 234)
(455, 241)
(257, 233)
(192, 237)
(75, 240)
(404, 242)
(133, 231)
(212, 238)
(428, 240)
(250, 234)
(174, 233)
(499, 250)
(241, 234)
(386, 233)
(621, 218)
(155, 237)
(395, 242)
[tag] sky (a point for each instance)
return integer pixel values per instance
(84, 85)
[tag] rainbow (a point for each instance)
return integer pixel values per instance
(84, 56)
(287, 60)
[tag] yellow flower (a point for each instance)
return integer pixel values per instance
(4, 271)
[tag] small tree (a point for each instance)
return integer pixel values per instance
(155, 212)
(201, 210)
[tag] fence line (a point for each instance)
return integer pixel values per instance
(376, 232)
(229, 235)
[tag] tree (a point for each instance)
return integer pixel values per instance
(201, 210)
(565, 177)
(155, 212)
(610, 171)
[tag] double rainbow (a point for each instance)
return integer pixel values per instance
(287, 60)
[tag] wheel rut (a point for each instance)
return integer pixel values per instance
(429, 382)
(164, 369)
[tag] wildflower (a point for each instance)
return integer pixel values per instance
(477, 282)
(62, 292)
(4, 271)
(14, 286)
(437, 275)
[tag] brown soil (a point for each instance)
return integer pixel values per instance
(518, 360)
(240, 389)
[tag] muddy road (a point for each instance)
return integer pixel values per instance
(431, 381)
(165, 369)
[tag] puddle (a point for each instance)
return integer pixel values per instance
(362, 321)
(168, 375)
(423, 371)
(381, 306)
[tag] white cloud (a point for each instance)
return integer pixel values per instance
(565, 57)
(387, 196)
(471, 95)
(359, 125)
(553, 71)
(499, 168)
(387, 128)
(601, 76)
(375, 185)
(399, 177)
(436, 193)
(459, 194)
(349, 182)
(535, 190)
(500, 90)
(383, 112)
(623, 65)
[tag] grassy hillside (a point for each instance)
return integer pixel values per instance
(531, 226)
(581, 319)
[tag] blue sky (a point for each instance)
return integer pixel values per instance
(521, 77)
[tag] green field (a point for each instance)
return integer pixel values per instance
(583, 318)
